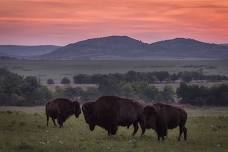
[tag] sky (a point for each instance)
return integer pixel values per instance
(60, 22)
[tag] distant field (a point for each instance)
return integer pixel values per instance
(27, 132)
(67, 68)
(192, 110)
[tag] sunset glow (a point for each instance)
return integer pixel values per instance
(61, 22)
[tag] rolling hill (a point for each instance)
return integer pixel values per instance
(3, 54)
(123, 47)
(188, 48)
(226, 44)
(26, 51)
(106, 47)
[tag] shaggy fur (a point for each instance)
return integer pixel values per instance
(161, 117)
(61, 109)
(109, 112)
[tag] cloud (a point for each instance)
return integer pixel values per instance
(74, 20)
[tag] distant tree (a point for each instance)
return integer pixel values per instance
(98, 78)
(50, 81)
(182, 91)
(174, 77)
(109, 87)
(72, 92)
(186, 76)
(90, 94)
(65, 80)
(131, 76)
(168, 94)
(127, 90)
(200, 95)
(29, 85)
(162, 75)
(82, 78)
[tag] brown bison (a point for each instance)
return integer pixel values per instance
(61, 109)
(109, 112)
(161, 117)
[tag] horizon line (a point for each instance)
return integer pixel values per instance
(113, 36)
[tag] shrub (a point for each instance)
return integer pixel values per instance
(16, 90)
(50, 81)
(65, 80)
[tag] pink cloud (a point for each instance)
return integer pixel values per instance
(62, 22)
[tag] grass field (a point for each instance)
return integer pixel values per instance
(57, 69)
(24, 129)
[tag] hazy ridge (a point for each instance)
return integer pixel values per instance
(121, 47)
(26, 51)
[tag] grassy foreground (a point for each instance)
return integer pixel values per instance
(21, 131)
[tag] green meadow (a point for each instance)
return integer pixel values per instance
(23, 129)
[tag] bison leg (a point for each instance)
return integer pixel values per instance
(91, 127)
(185, 133)
(136, 127)
(114, 130)
(163, 137)
(161, 133)
(158, 135)
(109, 132)
(142, 127)
(181, 130)
(53, 119)
(143, 131)
(60, 122)
(47, 120)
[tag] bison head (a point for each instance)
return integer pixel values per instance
(77, 109)
(88, 113)
(150, 117)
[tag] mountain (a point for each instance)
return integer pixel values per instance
(124, 47)
(188, 48)
(226, 44)
(106, 47)
(26, 51)
(2, 54)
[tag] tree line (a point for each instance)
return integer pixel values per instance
(18, 90)
(149, 77)
(133, 76)
(136, 90)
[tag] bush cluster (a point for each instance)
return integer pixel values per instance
(201, 95)
(17, 90)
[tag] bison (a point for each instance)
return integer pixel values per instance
(109, 112)
(61, 109)
(161, 117)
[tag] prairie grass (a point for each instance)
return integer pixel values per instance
(26, 131)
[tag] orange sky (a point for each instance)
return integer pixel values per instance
(66, 21)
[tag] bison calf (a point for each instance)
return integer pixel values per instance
(161, 117)
(109, 112)
(61, 109)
